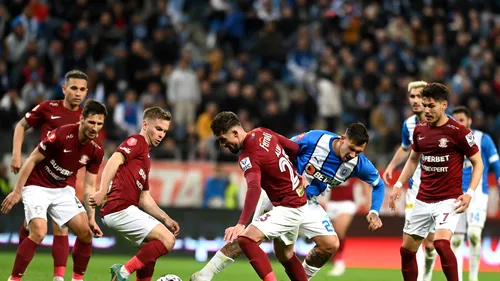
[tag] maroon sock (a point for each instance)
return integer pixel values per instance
(23, 233)
(409, 266)
(146, 273)
(25, 254)
(150, 252)
(81, 256)
(339, 254)
(294, 269)
(258, 259)
(448, 259)
(60, 252)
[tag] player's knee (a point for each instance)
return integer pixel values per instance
(37, 235)
(38, 230)
(169, 241)
(456, 240)
(330, 245)
(429, 245)
(474, 234)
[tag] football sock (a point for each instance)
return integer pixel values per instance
(474, 235)
(23, 233)
(60, 253)
(294, 269)
(456, 244)
(146, 273)
(420, 256)
(216, 264)
(81, 256)
(408, 264)
(310, 270)
(339, 254)
(430, 260)
(448, 260)
(258, 259)
(24, 255)
(149, 253)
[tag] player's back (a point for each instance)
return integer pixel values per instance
(131, 177)
(278, 176)
(443, 149)
(51, 114)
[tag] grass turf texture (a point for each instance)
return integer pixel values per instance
(41, 268)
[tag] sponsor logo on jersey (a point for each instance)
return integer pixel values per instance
(125, 149)
(245, 164)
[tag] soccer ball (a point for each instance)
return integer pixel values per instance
(169, 277)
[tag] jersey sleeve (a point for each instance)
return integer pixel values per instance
(414, 145)
(250, 165)
(36, 116)
(466, 142)
(129, 148)
(405, 137)
(367, 172)
(93, 166)
(490, 151)
(49, 143)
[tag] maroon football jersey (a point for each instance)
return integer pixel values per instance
(263, 153)
(131, 178)
(51, 114)
(443, 149)
(64, 156)
(343, 192)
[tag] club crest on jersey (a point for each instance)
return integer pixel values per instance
(443, 142)
(131, 141)
(245, 164)
(84, 160)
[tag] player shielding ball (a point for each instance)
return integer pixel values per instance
(440, 144)
(125, 181)
(45, 185)
(48, 116)
(472, 221)
(265, 164)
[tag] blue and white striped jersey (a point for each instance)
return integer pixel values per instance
(406, 142)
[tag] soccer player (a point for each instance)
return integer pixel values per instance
(472, 221)
(325, 160)
(45, 185)
(125, 181)
(425, 260)
(440, 144)
(47, 116)
(265, 164)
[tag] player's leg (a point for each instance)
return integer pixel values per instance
(60, 251)
(411, 196)
(286, 256)
(23, 232)
(430, 255)
(341, 225)
(146, 273)
(249, 242)
(226, 255)
(457, 241)
(476, 217)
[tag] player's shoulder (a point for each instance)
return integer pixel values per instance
(422, 126)
(97, 145)
(135, 140)
(314, 135)
(411, 121)
(68, 129)
(43, 106)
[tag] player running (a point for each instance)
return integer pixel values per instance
(472, 221)
(47, 116)
(45, 183)
(125, 181)
(439, 144)
(325, 160)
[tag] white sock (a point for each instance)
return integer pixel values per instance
(216, 264)
(456, 245)
(58, 278)
(420, 263)
(310, 270)
(123, 272)
(474, 236)
(430, 260)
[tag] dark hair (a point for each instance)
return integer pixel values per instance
(462, 109)
(156, 112)
(436, 91)
(357, 133)
(93, 107)
(223, 122)
(76, 74)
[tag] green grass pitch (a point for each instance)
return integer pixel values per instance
(40, 269)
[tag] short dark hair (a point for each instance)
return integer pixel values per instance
(357, 133)
(156, 112)
(223, 122)
(93, 107)
(76, 74)
(436, 91)
(462, 109)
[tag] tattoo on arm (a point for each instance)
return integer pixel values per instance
(317, 258)
(25, 124)
(231, 250)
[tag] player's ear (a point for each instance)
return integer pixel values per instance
(81, 119)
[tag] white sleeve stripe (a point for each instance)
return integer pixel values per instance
(493, 159)
(405, 146)
(376, 181)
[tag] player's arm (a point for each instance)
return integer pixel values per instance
(401, 154)
(477, 171)
(409, 168)
(369, 174)
(291, 148)
(17, 141)
(108, 174)
(252, 196)
(148, 204)
(89, 189)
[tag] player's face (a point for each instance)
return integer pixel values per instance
(463, 119)
(75, 91)
(156, 130)
(92, 125)
(433, 109)
(415, 100)
(230, 141)
(349, 150)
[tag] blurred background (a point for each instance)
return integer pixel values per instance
(288, 65)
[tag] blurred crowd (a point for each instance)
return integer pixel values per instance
(289, 65)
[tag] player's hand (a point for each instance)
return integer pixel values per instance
(374, 221)
(387, 175)
(233, 232)
(96, 199)
(10, 201)
(95, 229)
(173, 226)
(395, 194)
(462, 203)
(15, 164)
